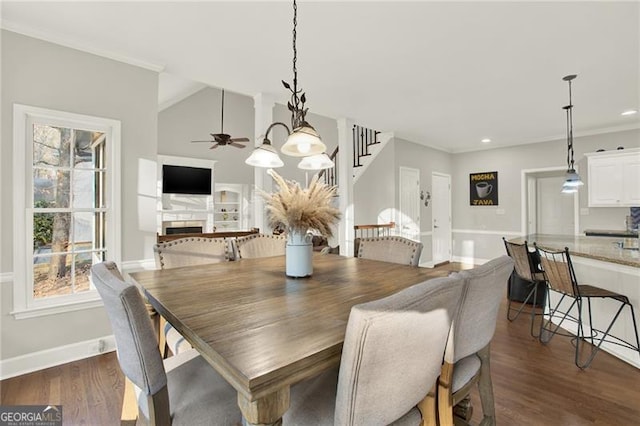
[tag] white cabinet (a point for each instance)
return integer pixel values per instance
(614, 178)
(230, 201)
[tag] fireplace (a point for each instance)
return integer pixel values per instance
(183, 227)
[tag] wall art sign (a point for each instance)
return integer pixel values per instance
(483, 189)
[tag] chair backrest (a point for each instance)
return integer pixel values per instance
(475, 324)
(558, 270)
(393, 350)
(390, 249)
(522, 259)
(190, 251)
(261, 245)
(137, 343)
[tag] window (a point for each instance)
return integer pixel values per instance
(64, 199)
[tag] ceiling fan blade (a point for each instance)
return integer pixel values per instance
(237, 145)
(239, 140)
(214, 146)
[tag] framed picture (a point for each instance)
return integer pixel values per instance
(483, 189)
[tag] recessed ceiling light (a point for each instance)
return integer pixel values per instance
(485, 140)
(629, 112)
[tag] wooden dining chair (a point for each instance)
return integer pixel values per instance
(181, 390)
(561, 279)
(261, 245)
(188, 251)
(391, 358)
(467, 357)
(390, 249)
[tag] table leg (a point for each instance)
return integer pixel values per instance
(267, 410)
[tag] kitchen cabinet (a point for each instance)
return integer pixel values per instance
(614, 178)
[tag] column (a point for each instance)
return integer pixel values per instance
(345, 185)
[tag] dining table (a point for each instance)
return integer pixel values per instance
(263, 331)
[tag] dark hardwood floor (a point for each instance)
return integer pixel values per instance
(533, 384)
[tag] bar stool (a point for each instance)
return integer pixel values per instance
(561, 278)
(526, 267)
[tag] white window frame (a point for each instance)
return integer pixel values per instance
(24, 305)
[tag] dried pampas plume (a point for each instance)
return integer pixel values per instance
(301, 210)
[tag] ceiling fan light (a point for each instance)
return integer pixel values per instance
(303, 141)
(264, 156)
(316, 162)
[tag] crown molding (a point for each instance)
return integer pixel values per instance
(77, 45)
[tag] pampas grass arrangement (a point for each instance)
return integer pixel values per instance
(300, 210)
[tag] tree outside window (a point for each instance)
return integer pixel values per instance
(68, 208)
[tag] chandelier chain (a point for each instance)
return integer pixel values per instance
(295, 50)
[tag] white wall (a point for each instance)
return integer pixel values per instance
(478, 230)
(38, 73)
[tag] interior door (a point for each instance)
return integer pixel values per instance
(555, 209)
(409, 220)
(441, 202)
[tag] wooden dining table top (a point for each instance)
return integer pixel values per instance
(263, 331)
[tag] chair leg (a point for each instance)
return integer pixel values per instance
(485, 388)
(445, 396)
(427, 408)
(550, 332)
(162, 340)
(129, 412)
(523, 304)
(596, 348)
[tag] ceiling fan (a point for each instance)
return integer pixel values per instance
(222, 139)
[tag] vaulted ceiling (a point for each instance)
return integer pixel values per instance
(444, 74)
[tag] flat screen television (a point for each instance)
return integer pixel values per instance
(185, 180)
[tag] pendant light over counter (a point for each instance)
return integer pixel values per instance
(572, 178)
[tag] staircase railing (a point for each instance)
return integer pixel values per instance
(330, 175)
(363, 138)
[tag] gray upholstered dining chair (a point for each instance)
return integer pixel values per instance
(182, 390)
(467, 358)
(390, 249)
(391, 358)
(189, 251)
(260, 245)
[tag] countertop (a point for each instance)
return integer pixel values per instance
(600, 248)
(610, 233)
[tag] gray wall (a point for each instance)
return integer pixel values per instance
(198, 115)
(427, 160)
(376, 192)
(487, 226)
(42, 74)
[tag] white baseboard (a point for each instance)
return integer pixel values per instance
(138, 265)
(469, 260)
(35, 361)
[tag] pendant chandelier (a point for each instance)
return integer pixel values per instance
(302, 140)
(572, 178)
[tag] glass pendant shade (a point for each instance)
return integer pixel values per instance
(572, 179)
(303, 141)
(568, 189)
(316, 162)
(265, 156)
